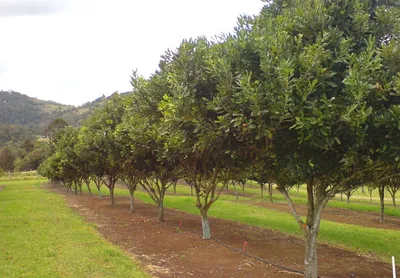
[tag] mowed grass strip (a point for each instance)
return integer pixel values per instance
(40, 236)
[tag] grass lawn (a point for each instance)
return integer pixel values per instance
(40, 236)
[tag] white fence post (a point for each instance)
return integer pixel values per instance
(393, 267)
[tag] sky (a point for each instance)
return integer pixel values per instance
(74, 51)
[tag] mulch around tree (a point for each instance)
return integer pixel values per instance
(165, 250)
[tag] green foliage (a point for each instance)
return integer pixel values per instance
(6, 159)
(54, 127)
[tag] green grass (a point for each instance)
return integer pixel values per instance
(40, 236)
(30, 175)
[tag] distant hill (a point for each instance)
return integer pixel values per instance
(23, 117)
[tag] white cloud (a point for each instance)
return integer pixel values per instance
(30, 7)
(92, 46)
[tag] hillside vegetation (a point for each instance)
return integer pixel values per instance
(23, 117)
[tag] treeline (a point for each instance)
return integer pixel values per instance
(23, 117)
(307, 92)
(27, 154)
(14, 133)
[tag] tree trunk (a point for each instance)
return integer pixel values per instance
(234, 188)
(205, 225)
(243, 188)
(362, 189)
(262, 191)
(191, 189)
(100, 195)
(112, 197)
(394, 200)
(348, 198)
(132, 199)
(174, 185)
(270, 192)
(341, 196)
(161, 211)
(381, 190)
(310, 256)
(88, 188)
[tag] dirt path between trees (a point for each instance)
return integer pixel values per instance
(164, 250)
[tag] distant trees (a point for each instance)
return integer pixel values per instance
(6, 159)
(54, 127)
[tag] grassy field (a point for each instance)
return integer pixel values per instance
(380, 242)
(29, 175)
(40, 236)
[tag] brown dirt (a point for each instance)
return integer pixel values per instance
(164, 250)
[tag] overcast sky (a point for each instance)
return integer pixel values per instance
(73, 51)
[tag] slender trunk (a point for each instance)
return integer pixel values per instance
(243, 188)
(310, 256)
(161, 206)
(234, 189)
(341, 196)
(394, 200)
(112, 197)
(76, 189)
(362, 189)
(174, 185)
(80, 188)
(100, 195)
(88, 188)
(161, 211)
(205, 225)
(270, 192)
(191, 189)
(315, 207)
(298, 189)
(381, 190)
(262, 191)
(348, 198)
(132, 199)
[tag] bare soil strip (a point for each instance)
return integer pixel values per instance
(165, 250)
